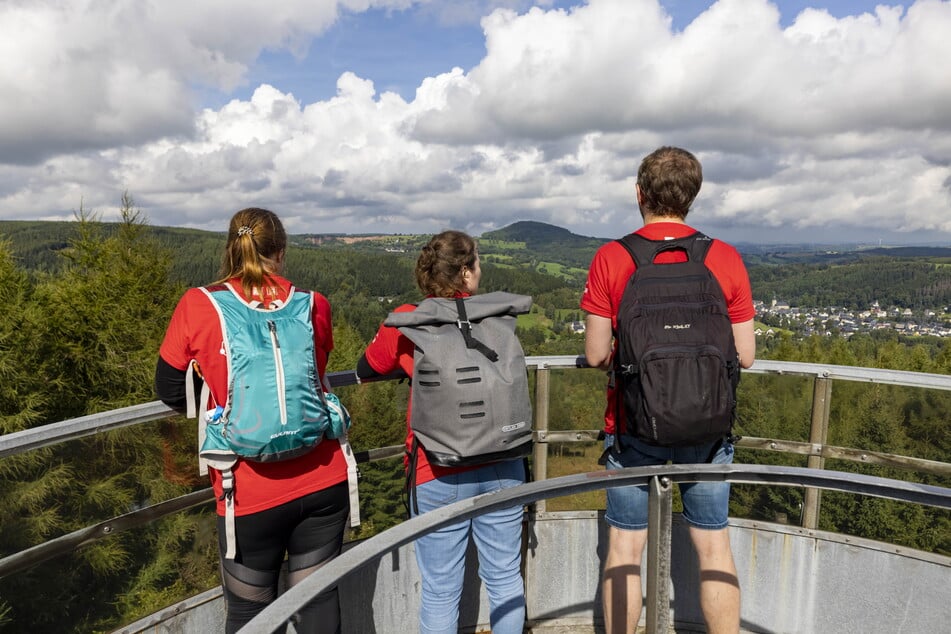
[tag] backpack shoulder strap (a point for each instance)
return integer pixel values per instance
(639, 248)
(219, 294)
(698, 246)
(300, 292)
(698, 249)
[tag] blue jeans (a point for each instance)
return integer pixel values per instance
(706, 504)
(498, 537)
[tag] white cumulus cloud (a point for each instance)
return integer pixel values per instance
(832, 127)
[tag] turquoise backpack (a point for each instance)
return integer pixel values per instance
(276, 407)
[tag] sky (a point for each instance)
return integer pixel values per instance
(816, 121)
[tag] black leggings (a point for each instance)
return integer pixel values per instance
(310, 530)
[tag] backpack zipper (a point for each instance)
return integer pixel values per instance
(278, 370)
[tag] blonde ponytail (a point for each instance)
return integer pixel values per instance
(256, 243)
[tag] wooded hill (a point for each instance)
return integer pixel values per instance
(534, 258)
(364, 280)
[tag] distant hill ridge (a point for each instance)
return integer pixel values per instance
(539, 234)
(910, 252)
(535, 258)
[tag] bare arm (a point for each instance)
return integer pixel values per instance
(745, 339)
(598, 339)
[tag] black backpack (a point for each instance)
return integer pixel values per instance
(676, 366)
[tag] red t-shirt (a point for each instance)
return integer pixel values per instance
(195, 333)
(612, 266)
(388, 352)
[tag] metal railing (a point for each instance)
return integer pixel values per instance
(816, 450)
(659, 479)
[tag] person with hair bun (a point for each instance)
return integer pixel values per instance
(298, 506)
(448, 266)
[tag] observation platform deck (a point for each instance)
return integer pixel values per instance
(793, 580)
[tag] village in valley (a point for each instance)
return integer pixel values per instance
(833, 321)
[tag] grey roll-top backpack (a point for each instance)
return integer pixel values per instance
(470, 400)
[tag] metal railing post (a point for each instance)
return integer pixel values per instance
(818, 435)
(540, 455)
(659, 523)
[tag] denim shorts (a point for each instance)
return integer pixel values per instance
(706, 504)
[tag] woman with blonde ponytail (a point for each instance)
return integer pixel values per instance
(296, 507)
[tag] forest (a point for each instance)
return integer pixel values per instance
(84, 306)
(906, 283)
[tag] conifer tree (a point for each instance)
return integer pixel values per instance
(86, 338)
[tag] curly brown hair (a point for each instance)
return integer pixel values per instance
(441, 262)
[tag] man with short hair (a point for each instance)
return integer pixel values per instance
(668, 181)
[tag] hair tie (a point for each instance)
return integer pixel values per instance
(245, 230)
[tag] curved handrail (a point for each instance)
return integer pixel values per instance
(54, 433)
(71, 541)
(80, 427)
(47, 435)
(286, 605)
(816, 478)
(903, 378)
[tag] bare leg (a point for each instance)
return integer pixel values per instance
(621, 584)
(719, 584)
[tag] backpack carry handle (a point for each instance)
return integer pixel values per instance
(644, 251)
